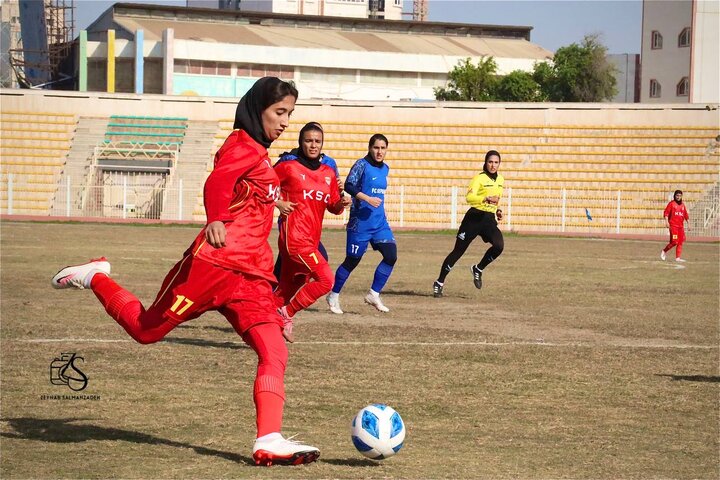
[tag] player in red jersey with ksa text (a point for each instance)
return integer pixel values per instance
(228, 267)
(310, 187)
(676, 215)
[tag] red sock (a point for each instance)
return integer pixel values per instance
(678, 250)
(269, 396)
(128, 311)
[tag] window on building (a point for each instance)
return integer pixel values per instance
(655, 89)
(684, 37)
(398, 3)
(683, 87)
(656, 40)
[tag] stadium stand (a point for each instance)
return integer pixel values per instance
(139, 155)
(33, 151)
(598, 166)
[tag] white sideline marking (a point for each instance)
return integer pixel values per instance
(411, 344)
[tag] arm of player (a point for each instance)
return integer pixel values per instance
(474, 193)
(285, 207)
(337, 202)
(230, 167)
(353, 184)
(218, 191)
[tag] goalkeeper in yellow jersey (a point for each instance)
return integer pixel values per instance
(483, 195)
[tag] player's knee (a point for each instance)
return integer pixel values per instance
(389, 253)
(325, 283)
(499, 247)
(350, 263)
(146, 338)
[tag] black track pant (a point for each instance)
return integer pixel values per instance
(475, 223)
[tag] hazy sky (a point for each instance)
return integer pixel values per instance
(555, 23)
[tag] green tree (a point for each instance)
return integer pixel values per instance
(578, 73)
(518, 86)
(581, 73)
(467, 82)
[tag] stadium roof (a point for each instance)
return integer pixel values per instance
(305, 31)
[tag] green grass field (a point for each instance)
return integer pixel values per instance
(579, 358)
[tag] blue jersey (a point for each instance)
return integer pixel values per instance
(372, 181)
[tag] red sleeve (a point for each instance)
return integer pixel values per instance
(335, 205)
(231, 165)
(687, 214)
(283, 173)
(668, 209)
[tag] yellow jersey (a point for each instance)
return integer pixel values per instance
(481, 187)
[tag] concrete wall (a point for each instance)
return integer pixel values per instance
(214, 108)
(671, 63)
(626, 65)
(705, 76)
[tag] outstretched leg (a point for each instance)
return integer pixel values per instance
(188, 290)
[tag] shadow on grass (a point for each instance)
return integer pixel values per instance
(199, 342)
(207, 327)
(413, 293)
(350, 462)
(408, 293)
(63, 430)
(692, 378)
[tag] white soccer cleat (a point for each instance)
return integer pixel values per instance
(678, 259)
(80, 276)
(287, 324)
(375, 301)
(662, 255)
(277, 450)
(333, 301)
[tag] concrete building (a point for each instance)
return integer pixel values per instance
(627, 76)
(382, 9)
(211, 52)
(680, 51)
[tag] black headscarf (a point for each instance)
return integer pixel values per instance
(676, 192)
(487, 157)
(248, 114)
(312, 164)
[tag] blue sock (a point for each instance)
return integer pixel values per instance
(382, 273)
(341, 276)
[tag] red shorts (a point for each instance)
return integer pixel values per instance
(194, 286)
(298, 269)
(677, 234)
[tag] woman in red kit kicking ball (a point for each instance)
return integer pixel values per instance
(228, 267)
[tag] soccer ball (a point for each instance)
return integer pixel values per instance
(378, 431)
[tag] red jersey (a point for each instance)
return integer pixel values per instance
(314, 191)
(241, 192)
(676, 214)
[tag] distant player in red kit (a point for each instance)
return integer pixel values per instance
(228, 267)
(675, 216)
(310, 187)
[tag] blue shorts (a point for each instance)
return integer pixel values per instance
(357, 242)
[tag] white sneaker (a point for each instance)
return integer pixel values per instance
(678, 259)
(80, 276)
(287, 324)
(277, 450)
(333, 301)
(662, 255)
(375, 301)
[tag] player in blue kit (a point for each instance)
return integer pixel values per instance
(366, 183)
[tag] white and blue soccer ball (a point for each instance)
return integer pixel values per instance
(378, 431)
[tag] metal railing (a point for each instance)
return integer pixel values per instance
(147, 195)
